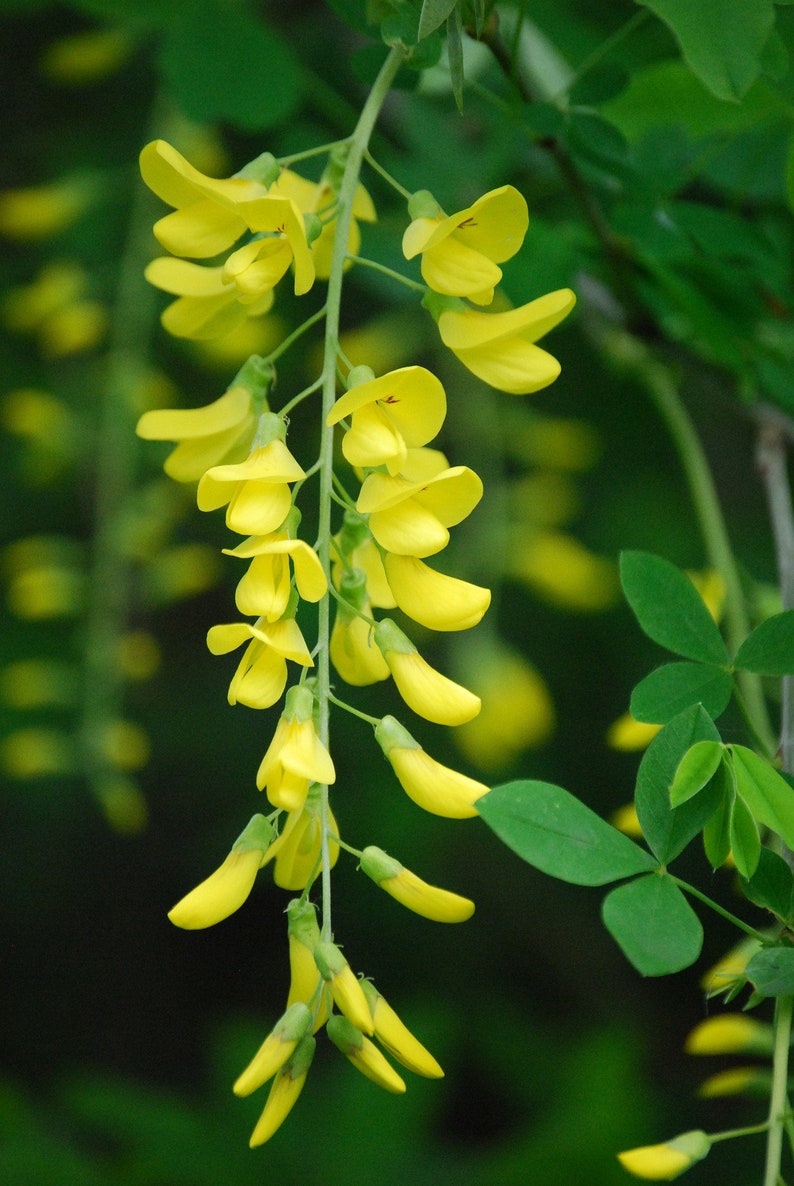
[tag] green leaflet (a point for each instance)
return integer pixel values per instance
(669, 608)
(772, 886)
(767, 794)
(668, 690)
(433, 15)
(697, 767)
(722, 41)
(771, 971)
(653, 924)
(745, 840)
(550, 829)
(769, 650)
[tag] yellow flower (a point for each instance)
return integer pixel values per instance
(210, 303)
(297, 850)
(460, 252)
(225, 890)
(277, 1048)
(500, 349)
(357, 550)
(219, 432)
(432, 786)
(56, 308)
(430, 694)
(400, 410)
(352, 649)
(261, 675)
(363, 1054)
(256, 491)
(439, 905)
(295, 757)
(397, 1038)
(207, 218)
(310, 198)
(561, 570)
(728, 972)
(411, 516)
(284, 1092)
(344, 984)
(736, 1081)
(433, 599)
(662, 1163)
(264, 591)
(86, 57)
(730, 1033)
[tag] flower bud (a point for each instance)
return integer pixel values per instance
(225, 890)
(397, 1038)
(345, 986)
(363, 1054)
(286, 1088)
(276, 1049)
(439, 905)
(662, 1163)
(430, 694)
(434, 787)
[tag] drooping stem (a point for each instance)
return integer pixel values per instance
(347, 190)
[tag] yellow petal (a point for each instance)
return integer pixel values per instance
(434, 600)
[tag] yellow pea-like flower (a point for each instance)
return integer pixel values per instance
(265, 589)
(730, 1033)
(306, 983)
(500, 349)
(411, 516)
(295, 757)
(261, 674)
(344, 984)
(225, 890)
(439, 905)
(433, 599)
(460, 252)
(277, 1048)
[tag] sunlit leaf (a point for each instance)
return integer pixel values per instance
(653, 924)
(552, 830)
(669, 608)
(697, 767)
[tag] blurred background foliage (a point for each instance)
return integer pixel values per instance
(660, 188)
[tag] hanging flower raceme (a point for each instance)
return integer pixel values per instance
(500, 349)
(461, 252)
(400, 410)
(220, 432)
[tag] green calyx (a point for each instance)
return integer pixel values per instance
(329, 959)
(389, 637)
(264, 168)
(390, 734)
(358, 375)
(313, 226)
(270, 428)
(299, 704)
(295, 1023)
(257, 376)
(344, 1035)
(302, 923)
(378, 865)
(258, 834)
(436, 304)
(422, 204)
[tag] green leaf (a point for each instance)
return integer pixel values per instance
(722, 41)
(697, 767)
(550, 829)
(771, 886)
(771, 971)
(599, 84)
(767, 794)
(668, 830)
(215, 58)
(667, 691)
(745, 840)
(669, 608)
(769, 650)
(433, 15)
(653, 924)
(455, 57)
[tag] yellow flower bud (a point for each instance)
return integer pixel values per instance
(433, 599)
(397, 1038)
(225, 890)
(345, 986)
(363, 1054)
(277, 1048)
(439, 905)
(662, 1163)
(284, 1092)
(430, 694)
(432, 786)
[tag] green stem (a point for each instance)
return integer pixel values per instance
(715, 906)
(347, 191)
(296, 333)
(627, 350)
(777, 1100)
(390, 272)
(387, 177)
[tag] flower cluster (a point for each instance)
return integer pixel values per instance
(409, 497)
